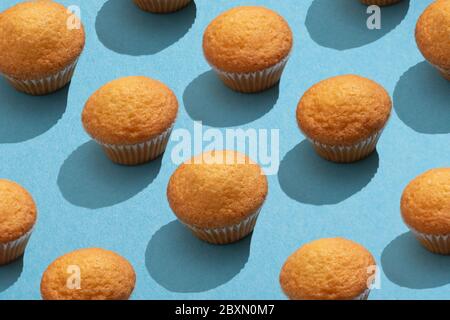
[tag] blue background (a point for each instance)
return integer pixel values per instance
(84, 200)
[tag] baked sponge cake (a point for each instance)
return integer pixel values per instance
(161, 6)
(344, 116)
(88, 274)
(18, 215)
(328, 269)
(132, 118)
(380, 2)
(433, 34)
(40, 42)
(248, 47)
(425, 208)
(218, 195)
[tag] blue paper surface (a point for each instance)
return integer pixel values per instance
(86, 201)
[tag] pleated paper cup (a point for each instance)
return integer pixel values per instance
(228, 234)
(253, 81)
(363, 296)
(161, 6)
(134, 154)
(439, 244)
(45, 85)
(13, 250)
(380, 2)
(352, 153)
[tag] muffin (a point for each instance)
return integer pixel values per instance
(218, 195)
(344, 117)
(132, 118)
(40, 43)
(380, 2)
(248, 47)
(17, 217)
(161, 6)
(433, 34)
(425, 208)
(329, 269)
(88, 274)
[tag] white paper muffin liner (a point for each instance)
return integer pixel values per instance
(435, 243)
(380, 2)
(44, 85)
(12, 250)
(337, 153)
(227, 234)
(253, 81)
(161, 6)
(133, 154)
(363, 296)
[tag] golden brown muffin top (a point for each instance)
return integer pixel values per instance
(103, 275)
(35, 40)
(217, 189)
(17, 211)
(327, 269)
(343, 110)
(247, 39)
(425, 203)
(130, 110)
(433, 33)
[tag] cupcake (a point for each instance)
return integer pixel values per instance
(17, 217)
(161, 6)
(40, 42)
(433, 34)
(328, 269)
(380, 2)
(132, 118)
(344, 117)
(88, 274)
(425, 208)
(218, 195)
(248, 47)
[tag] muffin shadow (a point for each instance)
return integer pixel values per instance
(10, 273)
(408, 264)
(24, 117)
(305, 177)
(89, 179)
(208, 100)
(342, 25)
(124, 28)
(180, 262)
(421, 100)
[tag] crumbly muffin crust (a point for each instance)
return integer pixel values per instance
(35, 41)
(433, 33)
(17, 211)
(327, 269)
(209, 191)
(104, 275)
(130, 110)
(425, 203)
(343, 110)
(247, 39)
